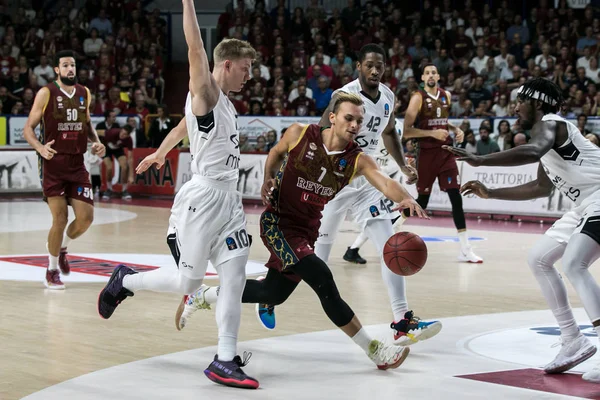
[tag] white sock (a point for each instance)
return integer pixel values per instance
(544, 253)
(464, 240)
(212, 294)
(65, 242)
(161, 280)
(566, 321)
(379, 231)
(362, 339)
(52, 262)
(124, 186)
(109, 185)
(232, 274)
(360, 240)
(226, 348)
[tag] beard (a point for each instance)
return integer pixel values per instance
(68, 81)
(431, 84)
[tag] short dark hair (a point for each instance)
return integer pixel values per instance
(429, 64)
(62, 54)
(128, 128)
(370, 48)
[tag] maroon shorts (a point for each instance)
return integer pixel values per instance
(287, 246)
(437, 163)
(65, 175)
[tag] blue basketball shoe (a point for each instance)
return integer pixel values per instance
(411, 329)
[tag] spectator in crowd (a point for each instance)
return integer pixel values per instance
(485, 144)
(520, 139)
(117, 140)
(271, 139)
(261, 145)
(160, 127)
(504, 137)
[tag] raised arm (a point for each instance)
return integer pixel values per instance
(204, 88)
(390, 188)
(541, 187)
(410, 132)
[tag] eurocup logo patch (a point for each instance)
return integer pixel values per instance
(342, 165)
(79, 190)
(231, 245)
(374, 211)
(386, 109)
(443, 100)
(81, 100)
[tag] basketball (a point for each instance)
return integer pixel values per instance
(405, 253)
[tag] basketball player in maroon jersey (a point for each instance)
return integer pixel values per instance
(427, 121)
(303, 172)
(62, 107)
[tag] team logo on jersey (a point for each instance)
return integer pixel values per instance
(312, 146)
(231, 245)
(59, 98)
(342, 165)
(374, 211)
(386, 109)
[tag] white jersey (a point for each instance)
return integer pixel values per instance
(214, 140)
(574, 168)
(377, 115)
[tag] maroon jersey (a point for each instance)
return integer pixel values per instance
(64, 120)
(433, 114)
(308, 179)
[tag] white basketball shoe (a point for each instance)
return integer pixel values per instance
(571, 354)
(387, 356)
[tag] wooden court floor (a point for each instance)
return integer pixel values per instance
(48, 337)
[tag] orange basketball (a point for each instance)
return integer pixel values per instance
(405, 253)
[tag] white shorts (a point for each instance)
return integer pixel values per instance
(584, 218)
(361, 201)
(209, 223)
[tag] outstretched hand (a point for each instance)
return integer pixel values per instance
(475, 187)
(149, 161)
(413, 207)
(463, 155)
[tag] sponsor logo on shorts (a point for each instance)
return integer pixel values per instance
(185, 265)
(231, 244)
(374, 211)
(313, 199)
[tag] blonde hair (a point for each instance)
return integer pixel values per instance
(343, 97)
(233, 49)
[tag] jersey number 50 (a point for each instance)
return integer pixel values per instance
(71, 114)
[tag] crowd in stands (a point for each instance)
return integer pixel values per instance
(119, 52)
(483, 54)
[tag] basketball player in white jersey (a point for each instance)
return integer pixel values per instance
(207, 219)
(570, 163)
(367, 206)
